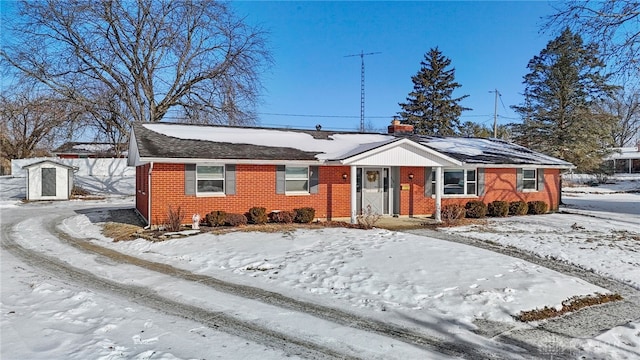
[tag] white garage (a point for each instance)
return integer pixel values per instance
(49, 180)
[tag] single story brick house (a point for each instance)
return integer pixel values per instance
(202, 168)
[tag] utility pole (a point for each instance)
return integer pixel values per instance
(495, 114)
(362, 55)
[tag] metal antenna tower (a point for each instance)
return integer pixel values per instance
(362, 55)
(495, 113)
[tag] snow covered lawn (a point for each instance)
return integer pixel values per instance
(598, 229)
(441, 287)
(376, 270)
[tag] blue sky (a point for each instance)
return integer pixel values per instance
(489, 44)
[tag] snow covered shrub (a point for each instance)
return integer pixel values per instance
(498, 208)
(537, 207)
(257, 215)
(174, 219)
(451, 214)
(476, 209)
(236, 220)
(216, 218)
(368, 218)
(282, 217)
(517, 208)
(304, 215)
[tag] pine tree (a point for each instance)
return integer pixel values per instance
(431, 107)
(564, 81)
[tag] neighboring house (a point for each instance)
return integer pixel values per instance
(75, 150)
(624, 160)
(49, 180)
(204, 168)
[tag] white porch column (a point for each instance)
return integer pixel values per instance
(354, 206)
(439, 190)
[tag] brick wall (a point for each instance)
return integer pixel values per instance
(500, 184)
(255, 186)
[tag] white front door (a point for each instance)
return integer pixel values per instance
(372, 190)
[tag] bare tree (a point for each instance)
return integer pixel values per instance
(625, 108)
(32, 124)
(613, 24)
(141, 60)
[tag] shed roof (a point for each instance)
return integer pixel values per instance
(50, 162)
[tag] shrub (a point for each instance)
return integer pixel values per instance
(174, 219)
(498, 208)
(216, 218)
(537, 207)
(518, 208)
(452, 214)
(368, 218)
(476, 209)
(282, 217)
(304, 215)
(79, 191)
(236, 220)
(257, 215)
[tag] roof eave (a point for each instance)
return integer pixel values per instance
(145, 160)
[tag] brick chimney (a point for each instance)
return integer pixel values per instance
(397, 128)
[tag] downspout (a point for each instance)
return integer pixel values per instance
(149, 196)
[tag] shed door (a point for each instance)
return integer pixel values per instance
(48, 182)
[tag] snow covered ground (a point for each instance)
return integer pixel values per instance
(598, 229)
(440, 287)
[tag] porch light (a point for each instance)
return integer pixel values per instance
(411, 176)
(344, 176)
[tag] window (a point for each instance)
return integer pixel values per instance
(210, 179)
(457, 182)
(529, 179)
(296, 179)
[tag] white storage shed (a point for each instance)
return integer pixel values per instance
(49, 180)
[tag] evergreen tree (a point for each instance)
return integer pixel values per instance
(431, 107)
(564, 81)
(471, 129)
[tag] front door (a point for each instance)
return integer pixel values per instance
(373, 190)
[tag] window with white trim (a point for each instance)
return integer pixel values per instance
(296, 179)
(210, 179)
(457, 182)
(529, 179)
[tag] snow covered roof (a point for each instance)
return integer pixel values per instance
(625, 153)
(489, 151)
(181, 141)
(165, 140)
(86, 148)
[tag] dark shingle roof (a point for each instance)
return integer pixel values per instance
(86, 148)
(153, 144)
(286, 144)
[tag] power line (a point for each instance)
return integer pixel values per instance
(325, 116)
(348, 116)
